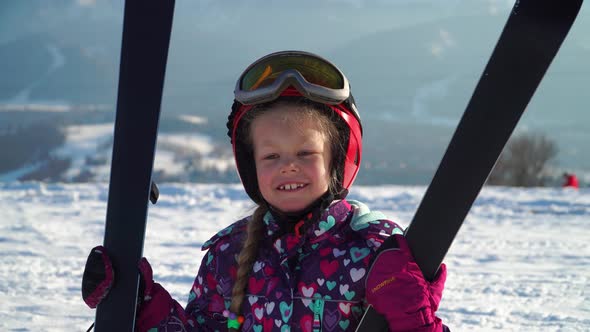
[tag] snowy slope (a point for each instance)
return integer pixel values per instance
(521, 262)
(89, 148)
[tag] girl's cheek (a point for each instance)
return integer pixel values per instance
(264, 168)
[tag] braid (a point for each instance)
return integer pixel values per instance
(247, 258)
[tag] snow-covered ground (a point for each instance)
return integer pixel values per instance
(521, 262)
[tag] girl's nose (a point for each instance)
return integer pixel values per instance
(289, 165)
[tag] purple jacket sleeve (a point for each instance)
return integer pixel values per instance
(209, 292)
(206, 303)
(203, 312)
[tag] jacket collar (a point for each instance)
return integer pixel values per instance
(325, 226)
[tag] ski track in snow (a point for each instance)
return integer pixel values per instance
(58, 61)
(521, 261)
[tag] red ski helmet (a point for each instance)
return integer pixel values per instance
(292, 74)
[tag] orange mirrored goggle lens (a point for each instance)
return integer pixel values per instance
(313, 70)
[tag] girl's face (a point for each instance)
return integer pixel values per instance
(292, 157)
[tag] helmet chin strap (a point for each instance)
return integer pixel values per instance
(301, 219)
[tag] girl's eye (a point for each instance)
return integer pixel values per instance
(270, 156)
(305, 153)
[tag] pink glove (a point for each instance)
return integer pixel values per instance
(397, 289)
(153, 301)
(99, 276)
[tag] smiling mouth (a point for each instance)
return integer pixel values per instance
(291, 186)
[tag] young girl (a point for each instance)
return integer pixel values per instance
(302, 261)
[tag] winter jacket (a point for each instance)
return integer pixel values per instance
(314, 282)
(571, 180)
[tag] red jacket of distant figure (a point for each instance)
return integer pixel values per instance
(571, 181)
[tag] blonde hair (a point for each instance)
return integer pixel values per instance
(333, 128)
(247, 257)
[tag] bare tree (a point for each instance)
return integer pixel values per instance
(524, 161)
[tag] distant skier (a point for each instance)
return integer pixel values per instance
(570, 180)
(302, 261)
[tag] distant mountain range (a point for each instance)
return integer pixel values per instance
(412, 75)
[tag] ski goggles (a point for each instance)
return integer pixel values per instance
(314, 77)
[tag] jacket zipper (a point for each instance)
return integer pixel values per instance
(318, 314)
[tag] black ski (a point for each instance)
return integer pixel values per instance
(146, 34)
(530, 40)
